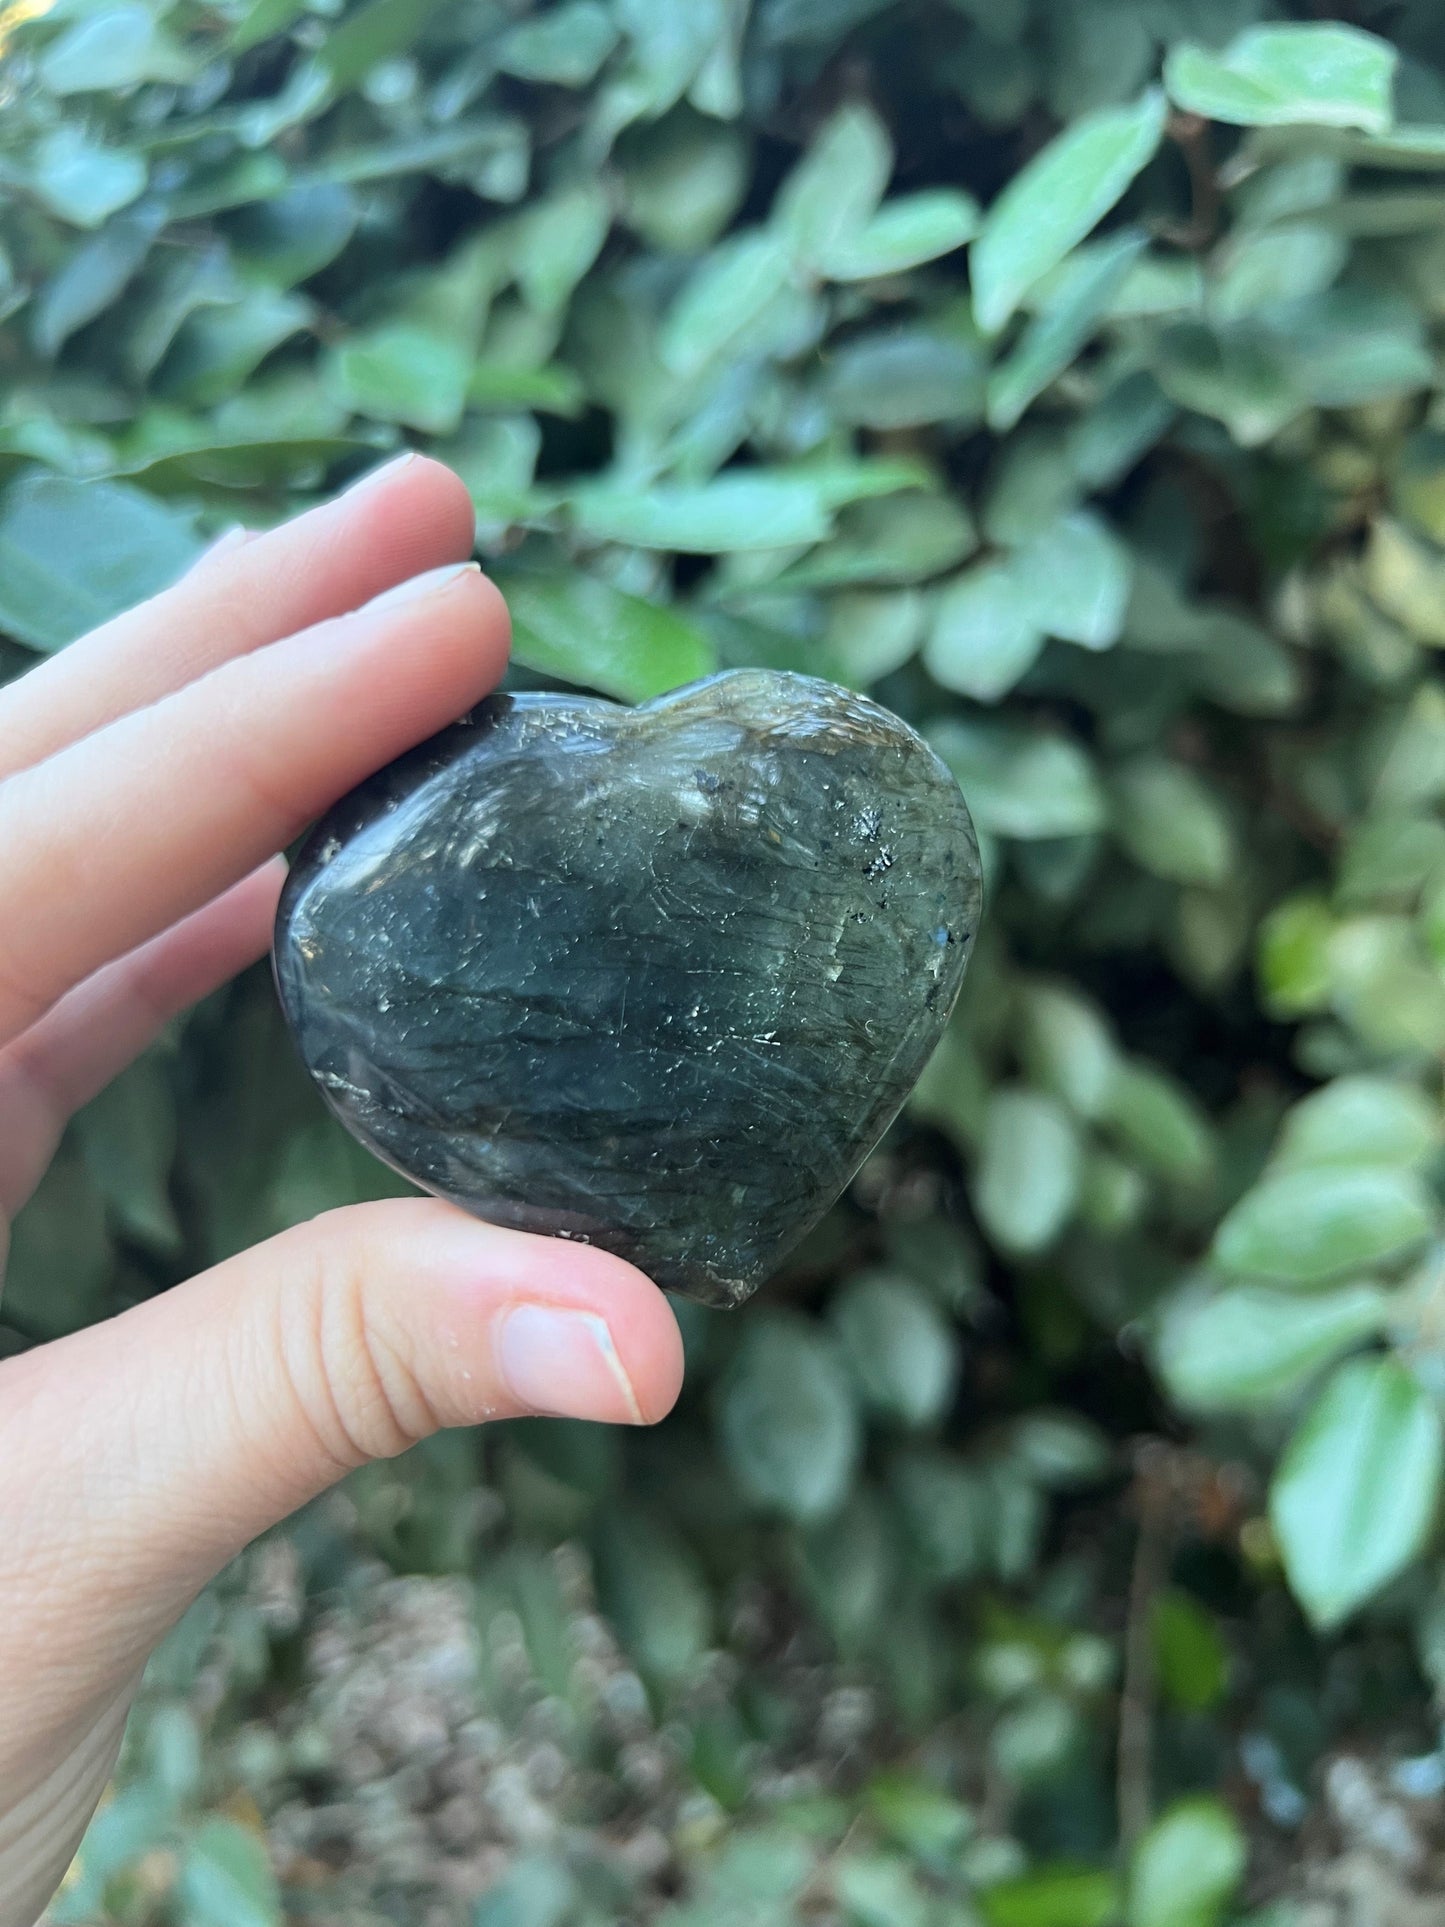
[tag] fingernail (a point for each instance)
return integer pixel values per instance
(227, 540)
(382, 474)
(564, 1363)
(417, 586)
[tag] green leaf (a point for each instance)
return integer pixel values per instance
(1067, 1048)
(1390, 858)
(579, 628)
(1239, 375)
(1171, 822)
(1250, 1346)
(74, 554)
(1053, 1896)
(880, 1890)
(872, 632)
(919, 1815)
(1189, 1652)
(1241, 666)
(1329, 75)
(564, 46)
(1123, 425)
(560, 239)
(96, 273)
(1112, 1194)
(281, 461)
(488, 153)
(735, 284)
(845, 1565)
(1187, 1867)
(178, 285)
(1404, 576)
(904, 233)
(1027, 1181)
(902, 1352)
(1414, 768)
(743, 509)
(1019, 782)
(1384, 985)
(1361, 1120)
(1304, 1226)
(947, 1508)
(1073, 305)
(259, 20)
(1294, 955)
(1354, 1498)
(738, 511)
(908, 538)
(82, 182)
(401, 373)
(226, 1878)
(906, 378)
(536, 1892)
(1031, 486)
(1077, 576)
(1059, 1451)
(682, 181)
(760, 1867)
(1160, 1123)
(113, 48)
(549, 391)
(1351, 345)
(218, 347)
(1057, 199)
(789, 1425)
(369, 34)
(290, 238)
(983, 636)
(834, 191)
(496, 456)
(653, 1591)
(668, 47)
(1285, 262)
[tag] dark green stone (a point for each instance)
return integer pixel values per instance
(654, 978)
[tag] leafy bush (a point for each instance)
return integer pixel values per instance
(1065, 372)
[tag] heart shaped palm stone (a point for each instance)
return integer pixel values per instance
(654, 978)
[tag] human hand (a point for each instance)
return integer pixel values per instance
(145, 773)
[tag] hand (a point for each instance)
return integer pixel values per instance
(145, 773)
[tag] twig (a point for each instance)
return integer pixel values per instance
(1190, 134)
(1155, 1490)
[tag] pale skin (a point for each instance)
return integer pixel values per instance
(148, 776)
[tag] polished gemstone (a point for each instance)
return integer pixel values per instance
(653, 978)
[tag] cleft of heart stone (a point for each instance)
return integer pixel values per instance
(654, 978)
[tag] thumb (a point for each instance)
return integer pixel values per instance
(139, 1456)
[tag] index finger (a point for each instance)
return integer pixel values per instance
(399, 521)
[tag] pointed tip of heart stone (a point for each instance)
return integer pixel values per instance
(655, 979)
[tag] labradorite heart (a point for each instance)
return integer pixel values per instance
(655, 978)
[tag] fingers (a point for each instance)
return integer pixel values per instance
(151, 1449)
(93, 1033)
(399, 521)
(116, 837)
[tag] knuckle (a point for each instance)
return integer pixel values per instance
(355, 1388)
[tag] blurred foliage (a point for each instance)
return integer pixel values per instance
(1067, 373)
